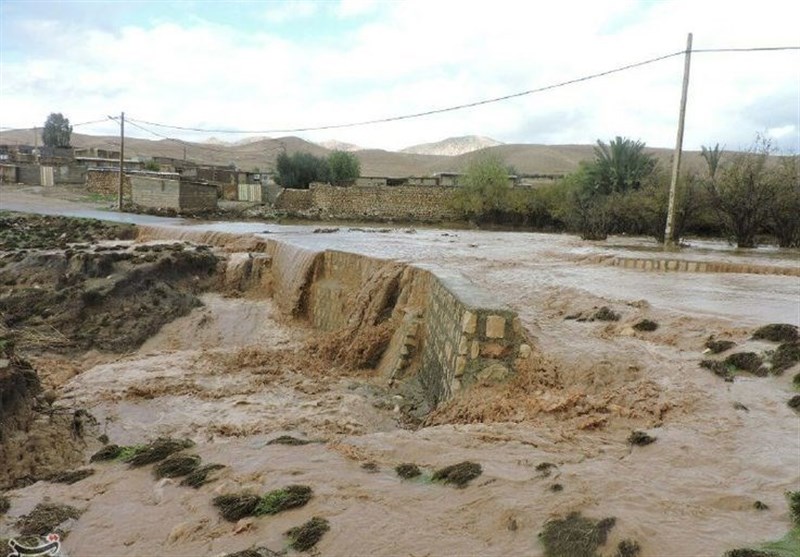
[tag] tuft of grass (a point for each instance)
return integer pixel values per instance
(719, 346)
(71, 477)
(646, 325)
(776, 332)
(235, 506)
(278, 500)
(794, 403)
(739, 406)
(555, 488)
(760, 506)
(458, 474)
(745, 552)
(545, 469)
(785, 356)
(794, 506)
(5, 504)
(156, 451)
(371, 467)
(199, 476)
(45, 518)
(745, 361)
(719, 369)
(288, 440)
(640, 438)
(109, 452)
(796, 380)
(177, 465)
(628, 548)
(575, 536)
(407, 470)
(605, 313)
(303, 538)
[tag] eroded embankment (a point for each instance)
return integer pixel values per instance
(423, 326)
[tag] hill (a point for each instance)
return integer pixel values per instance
(453, 146)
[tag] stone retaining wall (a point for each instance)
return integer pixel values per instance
(687, 266)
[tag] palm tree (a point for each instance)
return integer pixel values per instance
(620, 166)
(712, 157)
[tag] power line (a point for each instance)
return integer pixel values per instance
(476, 103)
(174, 140)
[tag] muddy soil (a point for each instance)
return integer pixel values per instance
(234, 374)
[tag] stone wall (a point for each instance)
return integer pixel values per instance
(417, 203)
(194, 197)
(104, 181)
(172, 193)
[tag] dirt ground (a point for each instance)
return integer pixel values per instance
(148, 341)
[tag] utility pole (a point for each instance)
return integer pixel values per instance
(676, 159)
(35, 137)
(121, 157)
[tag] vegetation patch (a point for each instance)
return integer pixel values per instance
(556, 488)
(719, 346)
(640, 438)
(45, 518)
(156, 451)
(750, 553)
(719, 369)
(303, 538)
(177, 465)
(5, 504)
(407, 470)
(628, 548)
(71, 477)
(290, 497)
(760, 506)
(746, 361)
(646, 325)
(777, 332)
(199, 476)
(458, 474)
(575, 536)
(794, 403)
(109, 452)
(256, 552)
(371, 467)
(545, 469)
(785, 356)
(288, 440)
(605, 313)
(796, 381)
(235, 506)
(794, 506)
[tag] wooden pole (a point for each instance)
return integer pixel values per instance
(121, 158)
(676, 162)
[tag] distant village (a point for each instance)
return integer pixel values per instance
(183, 185)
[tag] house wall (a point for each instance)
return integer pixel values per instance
(106, 182)
(9, 174)
(29, 174)
(156, 192)
(195, 197)
(421, 203)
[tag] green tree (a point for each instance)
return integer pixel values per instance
(744, 193)
(785, 208)
(344, 168)
(300, 169)
(619, 166)
(712, 156)
(485, 188)
(57, 131)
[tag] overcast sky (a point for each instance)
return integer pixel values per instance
(279, 65)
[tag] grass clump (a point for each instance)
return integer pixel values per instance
(156, 451)
(785, 356)
(278, 500)
(719, 369)
(794, 506)
(407, 470)
(760, 506)
(177, 465)
(545, 469)
(794, 403)
(646, 325)
(744, 552)
(71, 477)
(575, 536)
(719, 346)
(640, 438)
(458, 474)
(776, 332)
(5, 504)
(199, 476)
(796, 381)
(556, 488)
(605, 313)
(44, 518)
(628, 548)
(109, 452)
(235, 506)
(745, 361)
(303, 538)
(288, 440)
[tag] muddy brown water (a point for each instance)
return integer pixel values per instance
(689, 493)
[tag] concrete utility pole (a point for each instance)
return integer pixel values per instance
(676, 162)
(121, 158)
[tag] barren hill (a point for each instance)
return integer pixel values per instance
(453, 146)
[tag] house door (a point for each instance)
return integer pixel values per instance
(47, 175)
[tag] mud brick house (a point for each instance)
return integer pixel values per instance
(178, 193)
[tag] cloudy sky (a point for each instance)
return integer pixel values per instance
(282, 65)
